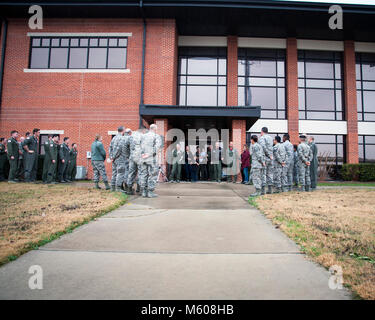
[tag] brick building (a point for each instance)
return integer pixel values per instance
(236, 65)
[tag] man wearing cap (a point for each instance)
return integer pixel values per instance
(266, 143)
(304, 158)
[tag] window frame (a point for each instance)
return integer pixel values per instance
(274, 55)
(69, 47)
(187, 54)
(337, 57)
(336, 143)
(362, 144)
(361, 114)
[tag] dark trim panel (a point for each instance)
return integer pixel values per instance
(250, 114)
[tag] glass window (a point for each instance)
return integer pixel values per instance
(261, 81)
(366, 148)
(39, 58)
(365, 74)
(331, 149)
(202, 76)
(320, 85)
(78, 53)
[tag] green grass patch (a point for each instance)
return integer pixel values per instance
(346, 184)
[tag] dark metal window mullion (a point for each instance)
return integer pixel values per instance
(68, 63)
(106, 61)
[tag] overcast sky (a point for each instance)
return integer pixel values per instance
(338, 1)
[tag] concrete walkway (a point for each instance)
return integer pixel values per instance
(196, 241)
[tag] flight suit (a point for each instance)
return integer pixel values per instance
(31, 159)
(3, 160)
(64, 155)
(53, 152)
(72, 168)
(47, 160)
(13, 151)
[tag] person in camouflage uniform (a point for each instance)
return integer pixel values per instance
(150, 144)
(176, 161)
(72, 167)
(53, 152)
(295, 169)
(47, 160)
(258, 163)
(279, 159)
(266, 143)
(314, 163)
(287, 176)
(115, 150)
(134, 159)
(98, 156)
(128, 134)
(304, 158)
(31, 156)
(13, 153)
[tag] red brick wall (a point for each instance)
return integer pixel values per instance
(239, 136)
(232, 71)
(292, 88)
(350, 93)
(83, 104)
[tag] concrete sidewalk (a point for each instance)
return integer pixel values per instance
(196, 241)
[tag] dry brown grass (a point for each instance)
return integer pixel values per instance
(332, 227)
(36, 213)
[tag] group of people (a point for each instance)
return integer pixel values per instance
(60, 160)
(276, 164)
(134, 158)
(202, 165)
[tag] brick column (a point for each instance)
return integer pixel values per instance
(239, 137)
(232, 71)
(350, 94)
(162, 130)
(292, 88)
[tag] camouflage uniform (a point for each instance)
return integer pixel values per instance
(134, 157)
(287, 176)
(150, 145)
(295, 168)
(119, 152)
(279, 156)
(257, 160)
(266, 143)
(304, 155)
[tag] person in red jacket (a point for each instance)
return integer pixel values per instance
(245, 164)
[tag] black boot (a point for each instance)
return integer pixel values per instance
(97, 185)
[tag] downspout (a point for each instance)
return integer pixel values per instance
(3, 44)
(143, 62)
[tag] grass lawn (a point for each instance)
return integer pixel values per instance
(34, 214)
(347, 183)
(333, 227)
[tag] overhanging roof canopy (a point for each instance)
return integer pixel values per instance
(266, 18)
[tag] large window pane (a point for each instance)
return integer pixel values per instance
(116, 58)
(59, 58)
(369, 101)
(201, 96)
(202, 65)
(78, 58)
(320, 99)
(319, 70)
(39, 58)
(264, 97)
(262, 68)
(97, 58)
(368, 71)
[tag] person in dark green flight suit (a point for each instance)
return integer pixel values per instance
(31, 156)
(13, 153)
(47, 160)
(72, 168)
(64, 160)
(3, 159)
(53, 152)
